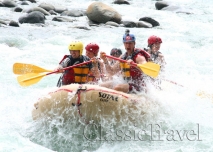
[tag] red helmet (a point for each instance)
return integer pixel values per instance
(92, 47)
(154, 39)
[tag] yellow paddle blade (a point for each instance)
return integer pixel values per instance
(150, 68)
(23, 68)
(30, 78)
(203, 94)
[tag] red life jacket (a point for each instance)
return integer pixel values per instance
(77, 74)
(131, 71)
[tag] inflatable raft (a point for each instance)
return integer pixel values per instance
(90, 102)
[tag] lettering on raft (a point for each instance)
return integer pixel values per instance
(106, 97)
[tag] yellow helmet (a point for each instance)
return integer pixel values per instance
(76, 46)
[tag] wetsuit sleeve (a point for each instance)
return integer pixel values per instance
(65, 62)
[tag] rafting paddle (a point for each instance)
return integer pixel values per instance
(32, 78)
(23, 68)
(175, 83)
(201, 94)
(149, 68)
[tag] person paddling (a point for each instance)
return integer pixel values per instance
(116, 52)
(78, 74)
(132, 75)
(154, 44)
(92, 50)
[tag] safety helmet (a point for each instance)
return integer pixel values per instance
(92, 47)
(76, 46)
(128, 38)
(154, 39)
(116, 51)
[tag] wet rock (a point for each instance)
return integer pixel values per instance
(129, 24)
(13, 23)
(32, 18)
(92, 23)
(60, 9)
(102, 13)
(144, 24)
(24, 3)
(150, 20)
(121, 2)
(73, 13)
(37, 9)
(63, 19)
(32, 1)
(112, 24)
(160, 5)
(1, 4)
(9, 3)
(46, 6)
(3, 22)
(52, 12)
(18, 9)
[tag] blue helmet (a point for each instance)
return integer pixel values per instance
(128, 38)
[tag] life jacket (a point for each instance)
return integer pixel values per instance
(77, 74)
(153, 56)
(131, 72)
(91, 77)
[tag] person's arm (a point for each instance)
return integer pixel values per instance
(104, 75)
(95, 70)
(62, 65)
(115, 68)
(110, 69)
(102, 67)
(140, 59)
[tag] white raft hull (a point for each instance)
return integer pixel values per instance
(91, 102)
